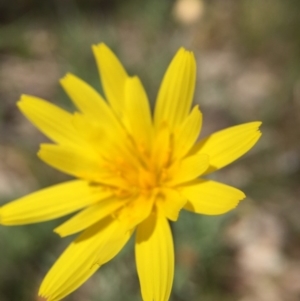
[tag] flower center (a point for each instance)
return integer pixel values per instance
(143, 175)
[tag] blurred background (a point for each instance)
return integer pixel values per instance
(248, 58)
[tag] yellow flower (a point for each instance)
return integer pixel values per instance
(135, 172)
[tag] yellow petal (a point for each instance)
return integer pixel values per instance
(89, 216)
(190, 168)
(226, 146)
(80, 163)
(94, 247)
(101, 138)
(99, 122)
(49, 119)
(188, 133)
(171, 202)
(87, 99)
(98, 125)
(94, 136)
(161, 148)
(73, 161)
(138, 114)
(50, 203)
(136, 210)
(155, 258)
(113, 77)
(210, 197)
(176, 91)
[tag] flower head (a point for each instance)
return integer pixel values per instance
(135, 171)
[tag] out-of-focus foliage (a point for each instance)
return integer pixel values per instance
(248, 57)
